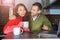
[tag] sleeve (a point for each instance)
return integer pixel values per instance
(7, 27)
(47, 23)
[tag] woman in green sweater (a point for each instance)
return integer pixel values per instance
(38, 22)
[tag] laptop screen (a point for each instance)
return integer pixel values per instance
(58, 32)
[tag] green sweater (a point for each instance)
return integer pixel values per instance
(36, 25)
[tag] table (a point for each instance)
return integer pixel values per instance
(25, 35)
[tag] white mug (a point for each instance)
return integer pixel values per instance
(17, 31)
(25, 24)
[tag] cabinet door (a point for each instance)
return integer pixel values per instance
(4, 15)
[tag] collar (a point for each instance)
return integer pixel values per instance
(35, 17)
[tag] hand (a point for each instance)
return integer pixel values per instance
(20, 24)
(12, 17)
(45, 27)
(26, 29)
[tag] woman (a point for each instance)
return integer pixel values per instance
(17, 21)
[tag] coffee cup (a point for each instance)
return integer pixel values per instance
(17, 31)
(25, 24)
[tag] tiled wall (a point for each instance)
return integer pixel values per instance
(54, 18)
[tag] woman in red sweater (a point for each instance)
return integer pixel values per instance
(16, 21)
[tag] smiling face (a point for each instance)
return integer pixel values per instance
(35, 10)
(21, 11)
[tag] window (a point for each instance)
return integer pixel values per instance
(8, 2)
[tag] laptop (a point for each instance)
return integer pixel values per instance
(52, 34)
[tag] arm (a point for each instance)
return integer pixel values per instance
(11, 24)
(7, 27)
(47, 25)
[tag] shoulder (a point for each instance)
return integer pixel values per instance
(12, 17)
(42, 16)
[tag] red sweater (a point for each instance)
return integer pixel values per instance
(13, 23)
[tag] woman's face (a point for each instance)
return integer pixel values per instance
(21, 11)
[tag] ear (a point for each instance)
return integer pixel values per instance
(39, 11)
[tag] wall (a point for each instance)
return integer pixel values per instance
(0, 2)
(51, 1)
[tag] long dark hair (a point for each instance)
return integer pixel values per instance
(25, 18)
